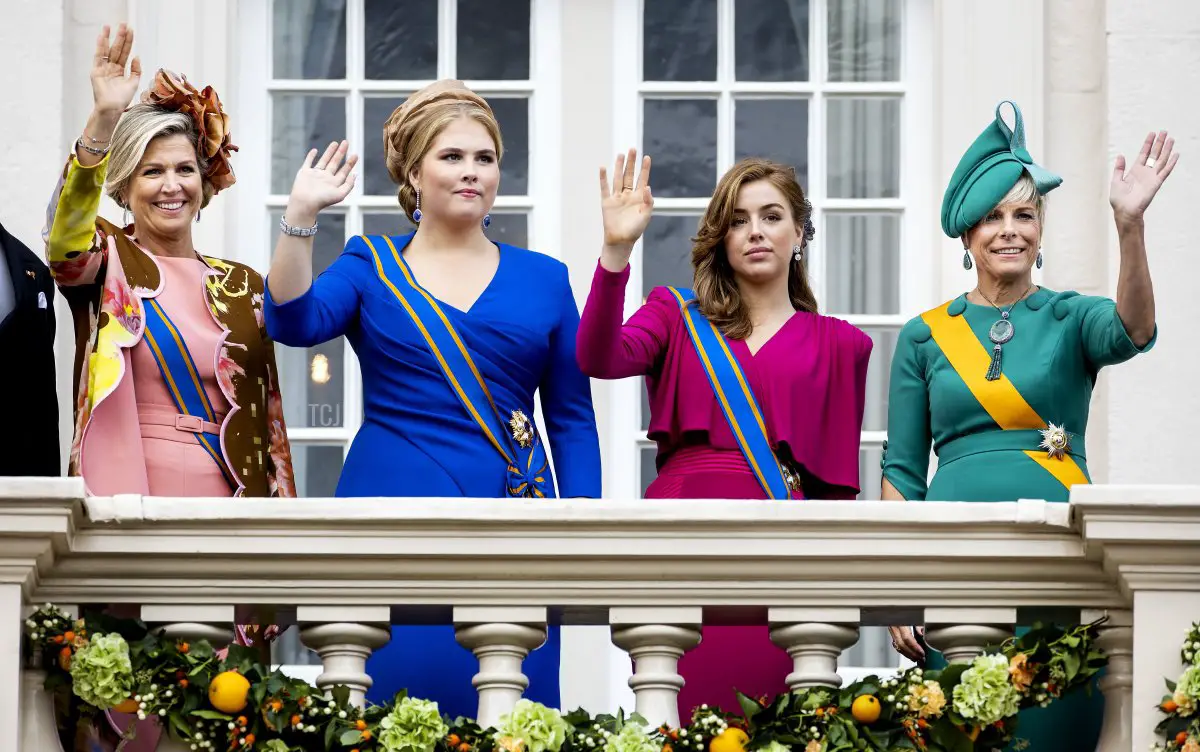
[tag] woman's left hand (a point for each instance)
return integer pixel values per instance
(1132, 189)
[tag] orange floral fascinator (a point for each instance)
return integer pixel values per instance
(172, 91)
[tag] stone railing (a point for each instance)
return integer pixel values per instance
(652, 571)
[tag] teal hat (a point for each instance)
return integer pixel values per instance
(988, 171)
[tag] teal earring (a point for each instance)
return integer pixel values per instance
(967, 264)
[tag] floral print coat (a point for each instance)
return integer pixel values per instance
(106, 276)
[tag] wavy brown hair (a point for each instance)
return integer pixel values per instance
(716, 288)
(412, 128)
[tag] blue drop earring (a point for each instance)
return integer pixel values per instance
(487, 221)
(417, 210)
(1039, 259)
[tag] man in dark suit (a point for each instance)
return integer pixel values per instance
(29, 431)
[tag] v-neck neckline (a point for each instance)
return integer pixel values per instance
(755, 353)
(474, 303)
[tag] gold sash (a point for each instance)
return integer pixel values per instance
(969, 359)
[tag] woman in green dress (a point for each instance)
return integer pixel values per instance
(999, 379)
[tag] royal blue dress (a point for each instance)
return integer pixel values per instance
(417, 439)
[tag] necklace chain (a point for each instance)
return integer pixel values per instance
(1010, 305)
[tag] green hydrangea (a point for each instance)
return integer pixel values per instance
(541, 729)
(1189, 684)
(412, 726)
(101, 673)
(985, 694)
(775, 746)
(631, 738)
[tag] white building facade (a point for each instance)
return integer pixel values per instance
(873, 101)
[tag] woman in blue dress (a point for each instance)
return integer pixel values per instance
(454, 334)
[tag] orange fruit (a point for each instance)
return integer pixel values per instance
(129, 705)
(228, 692)
(866, 709)
(64, 659)
(1169, 706)
(729, 740)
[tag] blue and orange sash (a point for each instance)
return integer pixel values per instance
(179, 371)
(732, 390)
(999, 398)
(517, 442)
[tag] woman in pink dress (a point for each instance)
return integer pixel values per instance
(177, 391)
(791, 381)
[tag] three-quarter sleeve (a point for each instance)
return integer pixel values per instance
(329, 306)
(606, 349)
(1102, 333)
(906, 457)
(75, 248)
(566, 397)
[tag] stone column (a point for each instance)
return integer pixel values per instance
(656, 638)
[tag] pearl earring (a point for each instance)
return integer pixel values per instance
(798, 252)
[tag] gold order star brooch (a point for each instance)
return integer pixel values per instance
(522, 429)
(1056, 441)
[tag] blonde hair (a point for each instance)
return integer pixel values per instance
(716, 289)
(141, 124)
(1025, 192)
(412, 128)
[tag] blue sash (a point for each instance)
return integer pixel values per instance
(517, 443)
(182, 378)
(733, 393)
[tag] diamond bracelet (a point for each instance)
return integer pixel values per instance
(299, 232)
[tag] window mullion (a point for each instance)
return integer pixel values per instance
(447, 38)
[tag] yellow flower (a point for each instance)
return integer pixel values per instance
(1191, 745)
(813, 746)
(1020, 673)
(509, 744)
(1187, 706)
(928, 700)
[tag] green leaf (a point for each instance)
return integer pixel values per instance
(951, 676)
(180, 726)
(951, 738)
(330, 730)
(1171, 686)
(348, 738)
(211, 715)
(749, 705)
(341, 695)
(1071, 665)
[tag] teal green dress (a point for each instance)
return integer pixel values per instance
(986, 433)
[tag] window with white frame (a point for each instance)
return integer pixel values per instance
(316, 71)
(831, 87)
(835, 88)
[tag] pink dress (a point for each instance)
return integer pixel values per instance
(176, 464)
(809, 380)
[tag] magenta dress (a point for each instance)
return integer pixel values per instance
(810, 381)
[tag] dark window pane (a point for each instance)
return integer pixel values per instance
(667, 251)
(376, 111)
(386, 223)
(317, 469)
(681, 136)
(493, 39)
(679, 40)
(773, 128)
(309, 39)
(648, 470)
(312, 379)
(771, 40)
(870, 474)
(513, 116)
(645, 406)
(879, 372)
(863, 158)
(401, 39)
(862, 264)
(864, 40)
(510, 228)
(300, 122)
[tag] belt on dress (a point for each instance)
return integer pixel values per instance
(180, 422)
(1019, 439)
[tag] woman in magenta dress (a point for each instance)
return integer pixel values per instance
(754, 316)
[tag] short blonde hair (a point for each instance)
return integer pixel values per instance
(140, 125)
(410, 131)
(1025, 192)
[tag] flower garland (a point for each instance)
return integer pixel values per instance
(235, 704)
(1181, 727)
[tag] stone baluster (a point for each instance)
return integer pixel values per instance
(38, 730)
(1115, 637)
(814, 638)
(962, 634)
(656, 638)
(500, 637)
(191, 623)
(345, 637)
